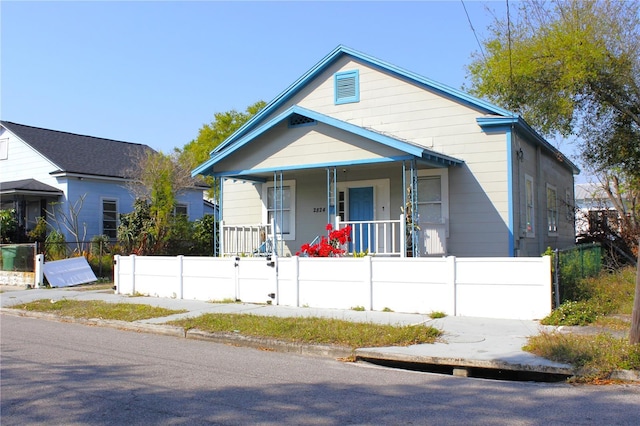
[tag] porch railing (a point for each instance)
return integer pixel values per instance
(381, 237)
(250, 240)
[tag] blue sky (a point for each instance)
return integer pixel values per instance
(155, 72)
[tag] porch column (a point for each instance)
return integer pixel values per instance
(332, 190)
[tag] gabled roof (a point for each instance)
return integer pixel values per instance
(28, 187)
(411, 150)
(73, 153)
(482, 106)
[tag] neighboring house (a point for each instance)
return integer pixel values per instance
(594, 210)
(363, 140)
(47, 170)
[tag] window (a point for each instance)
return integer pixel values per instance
(530, 206)
(552, 209)
(280, 206)
(181, 210)
(110, 218)
(430, 199)
(347, 87)
(4, 149)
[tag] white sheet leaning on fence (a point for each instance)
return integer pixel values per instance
(517, 288)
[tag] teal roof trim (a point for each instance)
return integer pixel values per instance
(520, 124)
(411, 149)
(278, 101)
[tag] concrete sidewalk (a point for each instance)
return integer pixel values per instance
(468, 344)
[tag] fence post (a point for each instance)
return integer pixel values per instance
(180, 279)
(368, 281)
(296, 278)
(556, 276)
(116, 273)
(133, 274)
(39, 275)
(451, 262)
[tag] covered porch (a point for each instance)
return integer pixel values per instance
(280, 182)
(399, 209)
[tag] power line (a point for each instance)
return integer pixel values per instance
(474, 30)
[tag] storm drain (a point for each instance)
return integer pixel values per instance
(463, 371)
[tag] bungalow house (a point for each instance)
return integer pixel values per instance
(415, 167)
(49, 170)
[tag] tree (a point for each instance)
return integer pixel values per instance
(156, 182)
(573, 68)
(211, 135)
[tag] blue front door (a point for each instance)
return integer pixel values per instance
(361, 208)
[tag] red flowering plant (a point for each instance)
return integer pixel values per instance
(328, 246)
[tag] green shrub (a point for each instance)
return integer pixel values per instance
(573, 313)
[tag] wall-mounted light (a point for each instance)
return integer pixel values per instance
(520, 154)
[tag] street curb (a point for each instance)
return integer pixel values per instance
(337, 352)
(224, 338)
(262, 343)
(372, 355)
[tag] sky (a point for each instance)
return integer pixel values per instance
(154, 72)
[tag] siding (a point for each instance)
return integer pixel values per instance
(308, 145)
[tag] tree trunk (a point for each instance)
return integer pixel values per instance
(634, 334)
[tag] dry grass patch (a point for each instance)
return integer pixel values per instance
(595, 356)
(313, 330)
(98, 309)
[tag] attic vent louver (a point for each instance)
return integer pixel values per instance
(347, 87)
(297, 120)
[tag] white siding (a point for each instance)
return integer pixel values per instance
(23, 162)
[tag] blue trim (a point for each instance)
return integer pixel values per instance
(338, 89)
(510, 197)
(242, 174)
(406, 147)
(520, 124)
(332, 57)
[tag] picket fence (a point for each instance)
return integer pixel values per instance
(516, 288)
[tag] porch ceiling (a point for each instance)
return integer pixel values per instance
(405, 149)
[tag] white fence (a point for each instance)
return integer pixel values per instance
(518, 288)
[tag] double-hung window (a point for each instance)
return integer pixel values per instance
(280, 208)
(110, 218)
(529, 206)
(552, 209)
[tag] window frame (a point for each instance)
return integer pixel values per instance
(443, 174)
(116, 202)
(4, 149)
(529, 206)
(181, 205)
(291, 184)
(552, 209)
(344, 75)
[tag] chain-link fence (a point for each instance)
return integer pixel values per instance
(572, 265)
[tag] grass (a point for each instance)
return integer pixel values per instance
(595, 356)
(98, 309)
(313, 330)
(606, 294)
(605, 304)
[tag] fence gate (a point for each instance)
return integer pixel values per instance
(256, 279)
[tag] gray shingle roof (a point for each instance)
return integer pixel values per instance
(74, 153)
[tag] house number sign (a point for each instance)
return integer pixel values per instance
(319, 209)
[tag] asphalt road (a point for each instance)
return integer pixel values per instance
(69, 374)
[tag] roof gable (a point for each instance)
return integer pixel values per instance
(411, 150)
(73, 153)
(482, 106)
